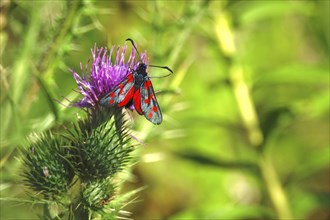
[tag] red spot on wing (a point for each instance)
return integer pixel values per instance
(137, 101)
(111, 101)
(127, 98)
(112, 94)
(154, 109)
(147, 84)
(120, 87)
(149, 114)
(130, 78)
(147, 101)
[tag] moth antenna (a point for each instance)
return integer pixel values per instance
(163, 67)
(130, 40)
(151, 77)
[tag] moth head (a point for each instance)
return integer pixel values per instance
(142, 68)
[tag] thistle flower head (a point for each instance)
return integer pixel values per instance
(104, 74)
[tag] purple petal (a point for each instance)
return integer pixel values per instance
(103, 75)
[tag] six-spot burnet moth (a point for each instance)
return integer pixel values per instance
(136, 89)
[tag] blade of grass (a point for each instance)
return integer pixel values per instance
(249, 117)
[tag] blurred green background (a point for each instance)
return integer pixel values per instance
(246, 114)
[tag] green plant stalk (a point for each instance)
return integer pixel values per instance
(19, 75)
(250, 119)
(47, 65)
(11, 114)
(179, 75)
(51, 55)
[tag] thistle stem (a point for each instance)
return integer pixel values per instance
(250, 119)
(81, 214)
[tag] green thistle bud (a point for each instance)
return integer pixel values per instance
(46, 170)
(95, 195)
(77, 169)
(99, 148)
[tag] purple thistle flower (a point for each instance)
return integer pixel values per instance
(104, 75)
